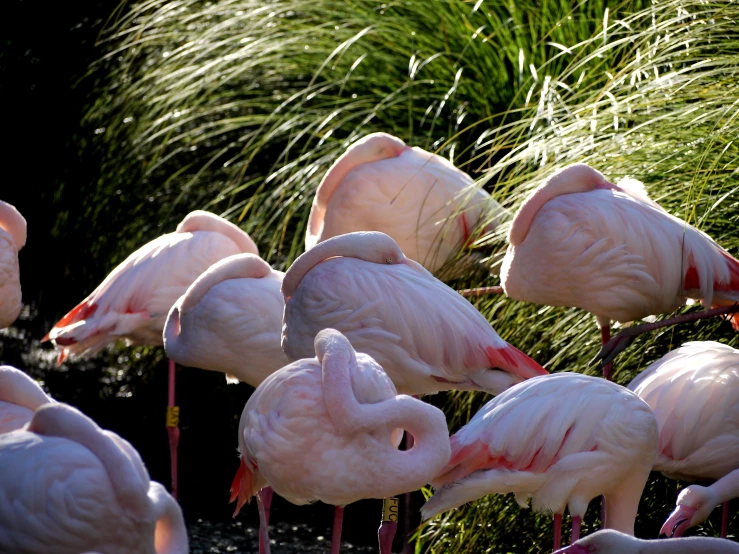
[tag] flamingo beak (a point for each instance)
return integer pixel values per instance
(678, 522)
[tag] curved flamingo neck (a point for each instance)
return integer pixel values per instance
(570, 180)
(372, 148)
(200, 220)
(426, 423)
(60, 420)
(240, 266)
(18, 388)
(726, 488)
(14, 223)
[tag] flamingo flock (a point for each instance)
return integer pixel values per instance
(340, 347)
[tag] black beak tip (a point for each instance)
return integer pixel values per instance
(662, 536)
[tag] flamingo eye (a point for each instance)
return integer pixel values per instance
(389, 260)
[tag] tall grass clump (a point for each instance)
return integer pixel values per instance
(240, 106)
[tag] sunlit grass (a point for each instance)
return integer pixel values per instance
(241, 106)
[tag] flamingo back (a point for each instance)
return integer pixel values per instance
(694, 393)
(424, 334)
(132, 302)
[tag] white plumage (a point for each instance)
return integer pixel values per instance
(20, 396)
(12, 239)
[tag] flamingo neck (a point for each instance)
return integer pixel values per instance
(14, 223)
(622, 504)
(726, 488)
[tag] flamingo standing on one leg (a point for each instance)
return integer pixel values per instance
(562, 439)
(581, 241)
(427, 205)
(609, 541)
(68, 486)
(132, 302)
(230, 320)
(20, 396)
(325, 429)
(12, 239)
(694, 393)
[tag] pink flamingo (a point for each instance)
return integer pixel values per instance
(132, 302)
(427, 205)
(72, 485)
(424, 334)
(327, 429)
(20, 396)
(230, 320)
(562, 439)
(12, 239)
(609, 541)
(694, 393)
(581, 241)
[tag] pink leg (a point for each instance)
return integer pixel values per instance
(605, 336)
(725, 520)
(266, 496)
(263, 527)
(389, 525)
(618, 343)
(173, 429)
(576, 522)
(336, 537)
(481, 291)
(602, 512)
(407, 504)
(557, 531)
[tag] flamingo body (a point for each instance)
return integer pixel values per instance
(20, 396)
(12, 239)
(326, 429)
(230, 320)
(132, 302)
(427, 205)
(694, 393)
(580, 241)
(424, 334)
(562, 439)
(64, 481)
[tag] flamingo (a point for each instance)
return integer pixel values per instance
(582, 241)
(609, 541)
(427, 205)
(230, 320)
(424, 334)
(20, 396)
(68, 486)
(12, 239)
(562, 439)
(326, 429)
(694, 393)
(132, 302)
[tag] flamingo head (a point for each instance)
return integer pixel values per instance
(376, 146)
(694, 505)
(580, 177)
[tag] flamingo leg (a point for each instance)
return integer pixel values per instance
(605, 336)
(266, 495)
(173, 429)
(263, 530)
(725, 520)
(389, 525)
(619, 343)
(336, 536)
(481, 291)
(409, 441)
(576, 522)
(557, 531)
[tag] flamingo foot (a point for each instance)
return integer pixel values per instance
(336, 536)
(389, 525)
(725, 520)
(173, 430)
(263, 527)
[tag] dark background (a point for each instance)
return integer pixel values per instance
(52, 165)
